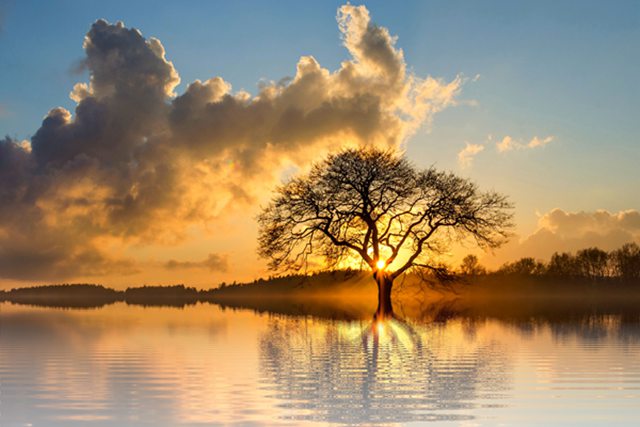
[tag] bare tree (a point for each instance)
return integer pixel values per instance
(593, 263)
(563, 265)
(626, 261)
(524, 267)
(470, 266)
(375, 206)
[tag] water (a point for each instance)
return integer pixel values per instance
(200, 365)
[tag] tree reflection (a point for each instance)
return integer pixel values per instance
(378, 372)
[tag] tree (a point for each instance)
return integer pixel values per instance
(626, 261)
(470, 266)
(563, 265)
(523, 267)
(593, 263)
(375, 206)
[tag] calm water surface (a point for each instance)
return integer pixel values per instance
(126, 365)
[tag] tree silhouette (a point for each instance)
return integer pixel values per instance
(470, 266)
(523, 267)
(627, 261)
(374, 205)
(593, 263)
(563, 265)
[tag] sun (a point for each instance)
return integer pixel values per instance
(381, 264)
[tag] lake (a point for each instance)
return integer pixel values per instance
(125, 365)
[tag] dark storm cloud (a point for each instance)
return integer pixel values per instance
(137, 163)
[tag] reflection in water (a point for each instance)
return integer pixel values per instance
(385, 371)
(116, 366)
(201, 365)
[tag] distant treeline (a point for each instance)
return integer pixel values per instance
(590, 263)
(84, 295)
(290, 282)
(585, 267)
(77, 295)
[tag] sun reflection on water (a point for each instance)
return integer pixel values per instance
(124, 365)
(355, 371)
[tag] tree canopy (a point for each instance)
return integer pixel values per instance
(376, 206)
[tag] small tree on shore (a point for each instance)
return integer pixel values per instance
(524, 267)
(375, 206)
(563, 265)
(593, 263)
(470, 266)
(626, 261)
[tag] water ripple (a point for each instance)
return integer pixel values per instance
(125, 366)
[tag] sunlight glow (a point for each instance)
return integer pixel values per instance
(381, 265)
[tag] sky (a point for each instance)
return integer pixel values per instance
(184, 126)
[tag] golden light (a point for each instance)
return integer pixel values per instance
(381, 265)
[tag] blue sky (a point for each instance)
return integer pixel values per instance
(536, 69)
(572, 64)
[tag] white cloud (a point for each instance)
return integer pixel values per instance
(466, 155)
(539, 142)
(508, 143)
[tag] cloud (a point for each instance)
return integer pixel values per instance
(56, 256)
(466, 155)
(562, 231)
(136, 163)
(574, 225)
(213, 262)
(508, 143)
(539, 142)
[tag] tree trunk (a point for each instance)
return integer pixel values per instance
(385, 283)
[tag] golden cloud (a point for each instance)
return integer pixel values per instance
(138, 163)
